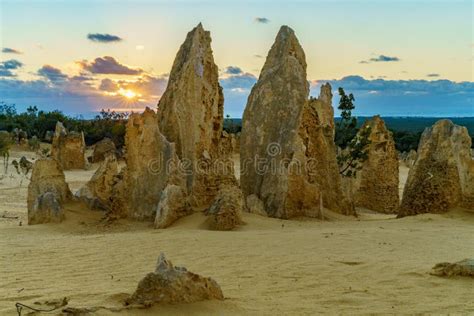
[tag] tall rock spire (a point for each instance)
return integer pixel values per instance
(273, 161)
(190, 113)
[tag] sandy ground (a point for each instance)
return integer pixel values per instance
(374, 264)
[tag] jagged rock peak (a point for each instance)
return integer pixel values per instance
(325, 95)
(286, 46)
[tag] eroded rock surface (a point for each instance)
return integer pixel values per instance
(410, 158)
(317, 132)
(226, 211)
(152, 164)
(462, 268)
(273, 158)
(443, 174)
(102, 149)
(173, 205)
(190, 114)
(254, 205)
(68, 148)
(172, 285)
(47, 193)
(376, 184)
(98, 192)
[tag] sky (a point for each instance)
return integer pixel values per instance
(398, 57)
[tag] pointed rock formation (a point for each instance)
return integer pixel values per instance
(69, 149)
(98, 192)
(273, 158)
(190, 114)
(172, 285)
(317, 132)
(152, 164)
(376, 184)
(443, 174)
(47, 192)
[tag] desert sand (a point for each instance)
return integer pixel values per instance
(370, 264)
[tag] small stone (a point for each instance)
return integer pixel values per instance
(461, 268)
(172, 285)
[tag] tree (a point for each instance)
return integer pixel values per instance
(353, 144)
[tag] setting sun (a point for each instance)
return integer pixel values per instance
(129, 94)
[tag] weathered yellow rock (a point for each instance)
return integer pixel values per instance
(376, 184)
(172, 285)
(317, 131)
(443, 174)
(273, 159)
(152, 164)
(226, 211)
(98, 192)
(190, 114)
(68, 148)
(47, 193)
(102, 149)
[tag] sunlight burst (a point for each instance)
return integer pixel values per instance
(129, 94)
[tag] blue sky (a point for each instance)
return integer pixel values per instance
(397, 57)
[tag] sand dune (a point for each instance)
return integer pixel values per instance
(373, 264)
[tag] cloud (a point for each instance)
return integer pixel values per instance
(6, 73)
(233, 70)
(8, 50)
(241, 82)
(103, 38)
(432, 75)
(380, 58)
(51, 73)
(383, 58)
(7, 66)
(262, 20)
(108, 65)
(11, 64)
(108, 85)
(237, 86)
(405, 97)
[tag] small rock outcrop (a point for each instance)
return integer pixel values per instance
(102, 149)
(98, 192)
(190, 115)
(47, 193)
(172, 206)
(254, 205)
(376, 184)
(68, 149)
(273, 158)
(461, 268)
(443, 174)
(226, 211)
(152, 164)
(172, 285)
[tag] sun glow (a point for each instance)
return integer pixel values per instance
(129, 94)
